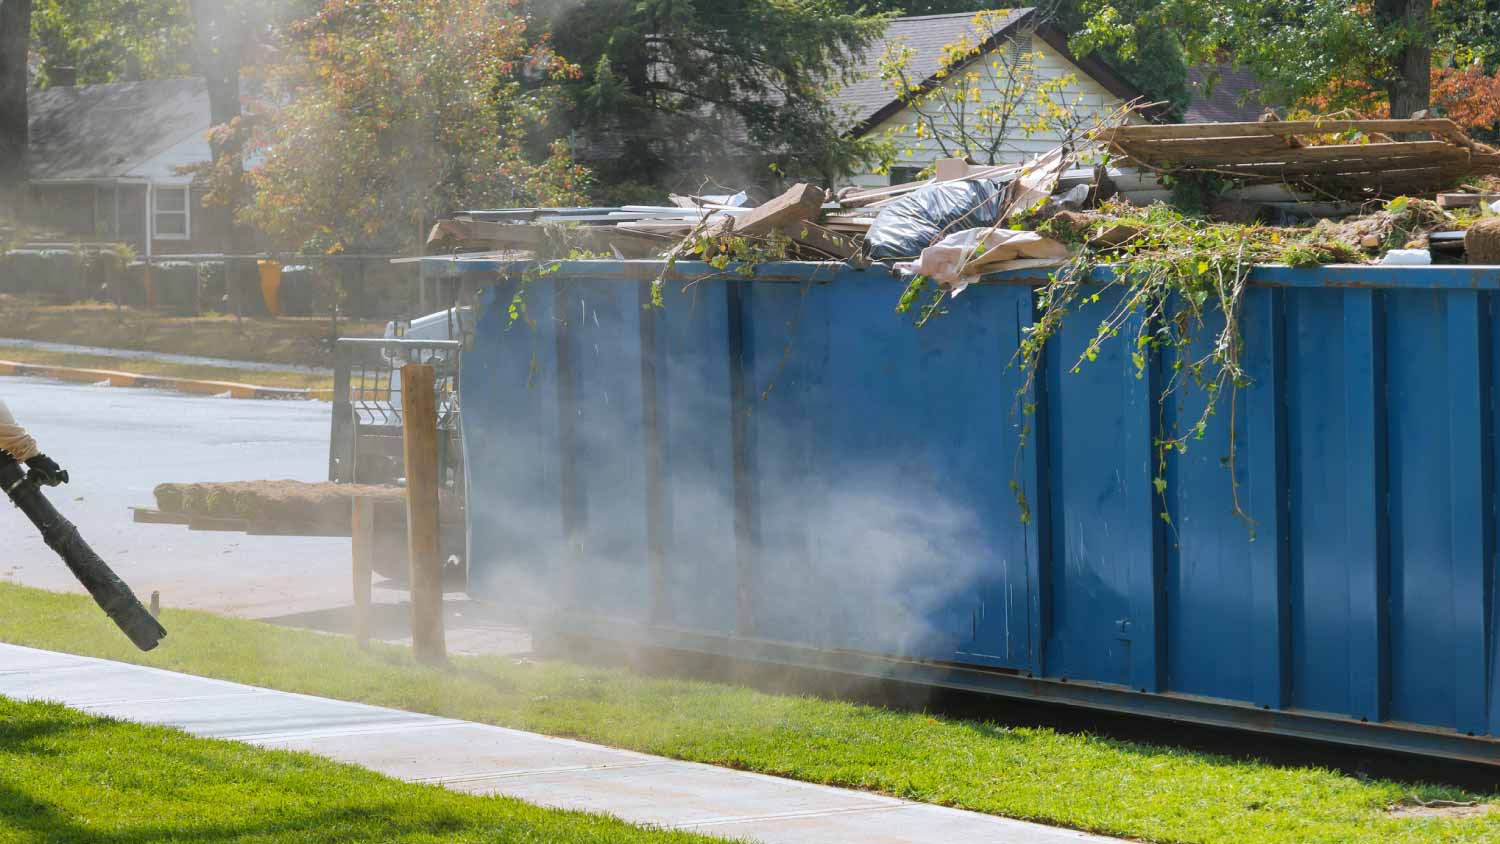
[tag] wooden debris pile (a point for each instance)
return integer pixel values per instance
(1277, 173)
(820, 226)
(1346, 158)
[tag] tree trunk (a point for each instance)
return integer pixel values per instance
(15, 37)
(220, 52)
(1410, 90)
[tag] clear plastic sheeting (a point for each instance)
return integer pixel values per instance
(13, 438)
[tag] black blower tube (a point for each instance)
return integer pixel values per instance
(109, 591)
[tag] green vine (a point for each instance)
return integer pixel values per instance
(719, 248)
(1167, 280)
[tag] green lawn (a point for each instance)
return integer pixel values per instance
(69, 778)
(295, 380)
(1134, 790)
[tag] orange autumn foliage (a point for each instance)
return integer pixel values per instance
(1468, 95)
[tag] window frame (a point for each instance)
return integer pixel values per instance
(186, 213)
(907, 172)
(113, 206)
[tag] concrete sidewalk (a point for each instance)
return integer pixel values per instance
(481, 759)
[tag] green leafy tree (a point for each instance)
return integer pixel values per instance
(1300, 49)
(113, 40)
(394, 112)
(675, 91)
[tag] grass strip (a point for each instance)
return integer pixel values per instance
(1141, 791)
(303, 341)
(70, 778)
(296, 380)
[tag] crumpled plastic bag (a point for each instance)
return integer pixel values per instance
(917, 220)
(13, 438)
(959, 259)
(921, 218)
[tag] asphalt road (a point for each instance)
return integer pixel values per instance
(119, 443)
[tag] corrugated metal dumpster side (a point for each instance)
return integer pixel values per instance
(786, 469)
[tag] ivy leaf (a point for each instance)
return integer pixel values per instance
(1160, 484)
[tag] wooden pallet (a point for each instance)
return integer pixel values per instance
(1300, 151)
(193, 521)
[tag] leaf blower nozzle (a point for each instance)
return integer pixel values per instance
(106, 587)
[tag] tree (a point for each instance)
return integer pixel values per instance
(677, 91)
(15, 27)
(388, 114)
(985, 102)
(1298, 48)
(113, 40)
(222, 35)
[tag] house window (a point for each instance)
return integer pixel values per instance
(903, 175)
(106, 211)
(169, 213)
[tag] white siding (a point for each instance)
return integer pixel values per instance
(912, 151)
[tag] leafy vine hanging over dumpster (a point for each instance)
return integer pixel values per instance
(1177, 276)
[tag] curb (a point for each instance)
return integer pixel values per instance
(232, 389)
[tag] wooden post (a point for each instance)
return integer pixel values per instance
(419, 430)
(363, 531)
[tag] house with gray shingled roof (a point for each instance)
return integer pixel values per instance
(876, 110)
(106, 162)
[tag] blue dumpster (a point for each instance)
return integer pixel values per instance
(784, 469)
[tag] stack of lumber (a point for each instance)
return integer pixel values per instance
(1352, 157)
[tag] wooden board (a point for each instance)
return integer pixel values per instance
(1465, 200)
(1271, 151)
(830, 243)
(803, 202)
(194, 522)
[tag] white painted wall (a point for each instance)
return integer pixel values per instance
(1050, 64)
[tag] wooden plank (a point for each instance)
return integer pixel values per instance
(802, 202)
(951, 169)
(220, 524)
(362, 554)
(215, 524)
(288, 529)
(814, 236)
(147, 516)
(1229, 154)
(1215, 146)
(1465, 200)
(1410, 166)
(858, 198)
(1441, 126)
(419, 438)
(511, 235)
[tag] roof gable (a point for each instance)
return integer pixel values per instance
(872, 102)
(926, 35)
(101, 132)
